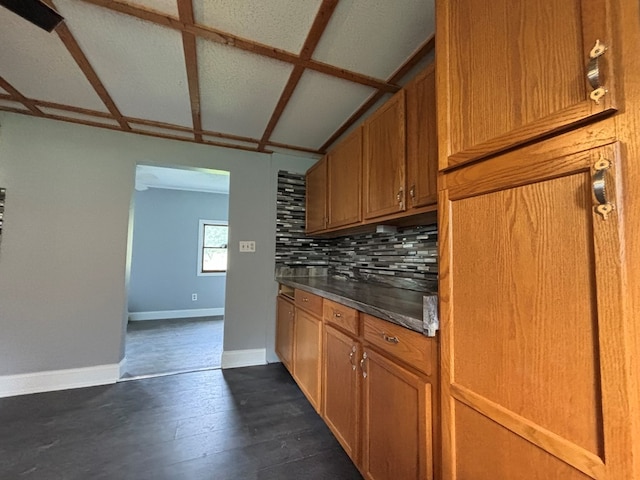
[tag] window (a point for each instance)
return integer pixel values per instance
(212, 247)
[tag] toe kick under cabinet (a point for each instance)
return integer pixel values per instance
(374, 383)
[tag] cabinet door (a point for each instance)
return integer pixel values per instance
(422, 139)
(384, 159)
(345, 182)
(341, 389)
(307, 355)
(284, 332)
(535, 379)
(397, 422)
(316, 197)
(510, 71)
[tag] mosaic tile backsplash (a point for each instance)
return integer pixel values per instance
(406, 259)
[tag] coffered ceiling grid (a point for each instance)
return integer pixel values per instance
(283, 75)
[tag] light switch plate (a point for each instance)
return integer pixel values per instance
(247, 246)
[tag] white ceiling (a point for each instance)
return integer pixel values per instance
(265, 75)
(201, 180)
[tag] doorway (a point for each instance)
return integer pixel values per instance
(176, 278)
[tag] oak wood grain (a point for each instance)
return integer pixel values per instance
(384, 182)
(344, 182)
(316, 197)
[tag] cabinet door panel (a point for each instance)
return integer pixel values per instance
(384, 159)
(397, 422)
(341, 389)
(284, 332)
(531, 318)
(422, 141)
(307, 356)
(513, 71)
(345, 182)
(316, 197)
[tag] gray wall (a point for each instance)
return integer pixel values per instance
(164, 258)
(63, 255)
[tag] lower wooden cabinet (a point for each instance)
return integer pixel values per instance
(374, 383)
(396, 421)
(307, 355)
(284, 331)
(341, 389)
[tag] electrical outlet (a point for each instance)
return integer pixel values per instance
(247, 246)
(194, 297)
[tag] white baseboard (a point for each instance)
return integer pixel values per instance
(49, 381)
(244, 358)
(164, 314)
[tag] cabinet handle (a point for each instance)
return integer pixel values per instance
(400, 198)
(337, 314)
(412, 192)
(362, 365)
(351, 355)
(603, 206)
(593, 72)
(305, 299)
(389, 339)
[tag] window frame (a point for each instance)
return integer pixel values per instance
(199, 264)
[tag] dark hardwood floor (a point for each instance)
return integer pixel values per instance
(159, 347)
(240, 424)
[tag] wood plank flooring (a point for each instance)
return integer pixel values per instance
(159, 347)
(243, 424)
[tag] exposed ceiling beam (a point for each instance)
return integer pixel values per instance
(317, 29)
(85, 66)
(225, 38)
(185, 10)
(17, 96)
(422, 52)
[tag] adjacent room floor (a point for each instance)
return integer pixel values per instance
(249, 423)
(160, 347)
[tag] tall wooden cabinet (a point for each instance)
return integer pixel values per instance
(513, 71)
(540, 346)
(384, 176)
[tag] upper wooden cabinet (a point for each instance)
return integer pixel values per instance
(384, 159)
(316, 194)
(511, 71)
(422, 141)
(344, 192)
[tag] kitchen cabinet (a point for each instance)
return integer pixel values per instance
(316, 197)
(341, 389)
(396, 421)
(384, 177)
(344, 192)
(284, 331)
(307, 346)
(379, 388)
(399, 386)
(422, 140)
(514, 71)
(533, 361)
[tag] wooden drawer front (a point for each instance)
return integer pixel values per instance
(341, 316)
(411, 347)
(310, 302)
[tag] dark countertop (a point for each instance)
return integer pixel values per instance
(396, 305)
